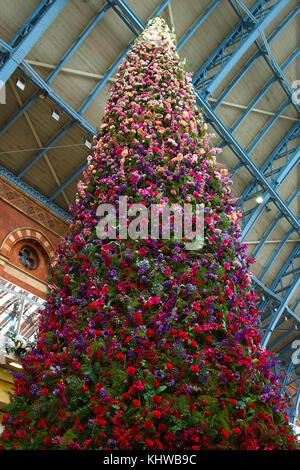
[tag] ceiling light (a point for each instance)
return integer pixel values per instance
(259, 199)
(55, 114)
(20, 84)
(87, 143)
(43, 94)
(16, 364)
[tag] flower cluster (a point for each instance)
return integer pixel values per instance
(142, 344)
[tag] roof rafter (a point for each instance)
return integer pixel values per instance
(28, 35)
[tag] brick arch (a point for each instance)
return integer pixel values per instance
(27, 233)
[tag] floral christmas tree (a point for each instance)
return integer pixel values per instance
(144, 344)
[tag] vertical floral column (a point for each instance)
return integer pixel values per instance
(144, 344)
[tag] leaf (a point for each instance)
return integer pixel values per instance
(160, 389)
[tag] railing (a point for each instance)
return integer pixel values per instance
(19, 312)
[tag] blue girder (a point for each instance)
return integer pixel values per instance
(127, 15)
(28, 35)
(57, 69)
(259, 96)
(288, 151)
(252, 60)
(266, 53)
(221, 62)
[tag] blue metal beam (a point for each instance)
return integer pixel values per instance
(68, 181)
(276, 317)
(288, 145)
(225, 59)
(127, 15)
(272, 345)
(57, 69)
(284, 270)
(276, 253)
(29, 34)
(42, 152)
(253, 59)
(258, 210)
(258, 97)
(33, 77)
(271, 61)
(274, 225)
(267, 127)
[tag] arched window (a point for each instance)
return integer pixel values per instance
(28, 257)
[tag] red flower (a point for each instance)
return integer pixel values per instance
(148, 424)
(45, 391)
(5, 418)
(47, 441)
(237, 431)
(156, 414)
(84, 388)
(130, 370)
(192, 408)
(120, 356)
(162, 427)
(42, 423)
(157, 399)
(156, 384)
(225, 433)
(169, 366)
(195, 369)
(136, 403)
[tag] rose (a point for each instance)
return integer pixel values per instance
(136, 403)
(156, 414)
(130, 371)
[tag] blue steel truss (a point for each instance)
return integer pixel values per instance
(28, 35)
(234, 46)
(276, 169)
(275, 300)
(266, 53)
(252, 60)
(56, 71)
